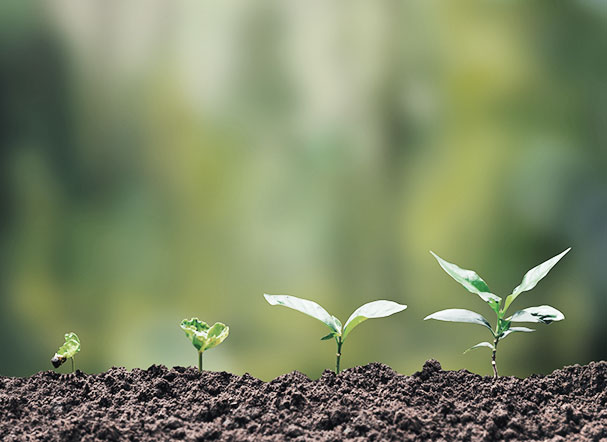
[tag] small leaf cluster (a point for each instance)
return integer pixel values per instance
(67, 351)
(203, 336)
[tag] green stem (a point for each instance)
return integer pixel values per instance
(73, 370)
(200, 361)
(338, 354)
(493, 364)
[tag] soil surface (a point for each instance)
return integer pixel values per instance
(362, 403)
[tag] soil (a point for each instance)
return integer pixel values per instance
(362, 403)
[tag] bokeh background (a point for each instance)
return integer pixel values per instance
(165, 159)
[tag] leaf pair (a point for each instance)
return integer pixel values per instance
(544, 314)
(506, 333)
(202, 335)
(503, 335)
(375, 309)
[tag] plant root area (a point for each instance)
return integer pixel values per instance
(362, 403)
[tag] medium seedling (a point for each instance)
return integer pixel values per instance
(375, 309)
(544, 314)
(203, 336)
(67, 351)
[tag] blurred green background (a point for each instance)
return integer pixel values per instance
(167, 159)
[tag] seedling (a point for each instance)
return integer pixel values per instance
(67, 351)
(544, 314)
(375, 309)
(203, 336)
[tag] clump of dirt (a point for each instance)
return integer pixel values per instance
(363, 403)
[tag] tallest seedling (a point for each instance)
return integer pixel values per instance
(473, 283)
(375, 309)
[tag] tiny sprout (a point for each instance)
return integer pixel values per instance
(544, 314)
(203, 336)
(375, 309)
(67, 351)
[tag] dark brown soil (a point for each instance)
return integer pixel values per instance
(363, 403)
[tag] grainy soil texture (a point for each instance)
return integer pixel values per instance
(363, 403)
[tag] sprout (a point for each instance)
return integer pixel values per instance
(203, 336)
(375, 309)
(67, 351)
(473, 283)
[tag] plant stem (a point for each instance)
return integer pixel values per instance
(493, 364)
(73, 370)
(200, 361)
(338, 354)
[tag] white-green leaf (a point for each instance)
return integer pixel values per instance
(307, 307)
(470, 280)
(67, 350)
(533, 276)
(479, 345)
(203, 336)
(460, 315)
(543, 313)
(70, 347)
(516, 329)
(337, 323)
(375, 309)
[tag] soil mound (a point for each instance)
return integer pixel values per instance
(362, 403)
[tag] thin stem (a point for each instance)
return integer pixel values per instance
(73, 370)
(338, 354)
(493, 364)
(200, 361)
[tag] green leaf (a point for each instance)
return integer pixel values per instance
(532, 277)
(68, 350)
(329, 336)
(460, 315)
(309, 308)
(471, 281)
(543, 313)
(479, 345)
(516, 329)
(375, 309)
(203, 336)
(70, 347)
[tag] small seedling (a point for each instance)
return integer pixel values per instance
(544, 314)
(203, 336)
(375, 309)
(67, 351)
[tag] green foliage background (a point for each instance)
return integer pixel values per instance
(167, 159)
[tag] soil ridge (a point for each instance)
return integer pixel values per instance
(371, 402)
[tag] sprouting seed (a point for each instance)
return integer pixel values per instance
(375, 309)
(544, 314)
(203, 336)
(67, 351)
